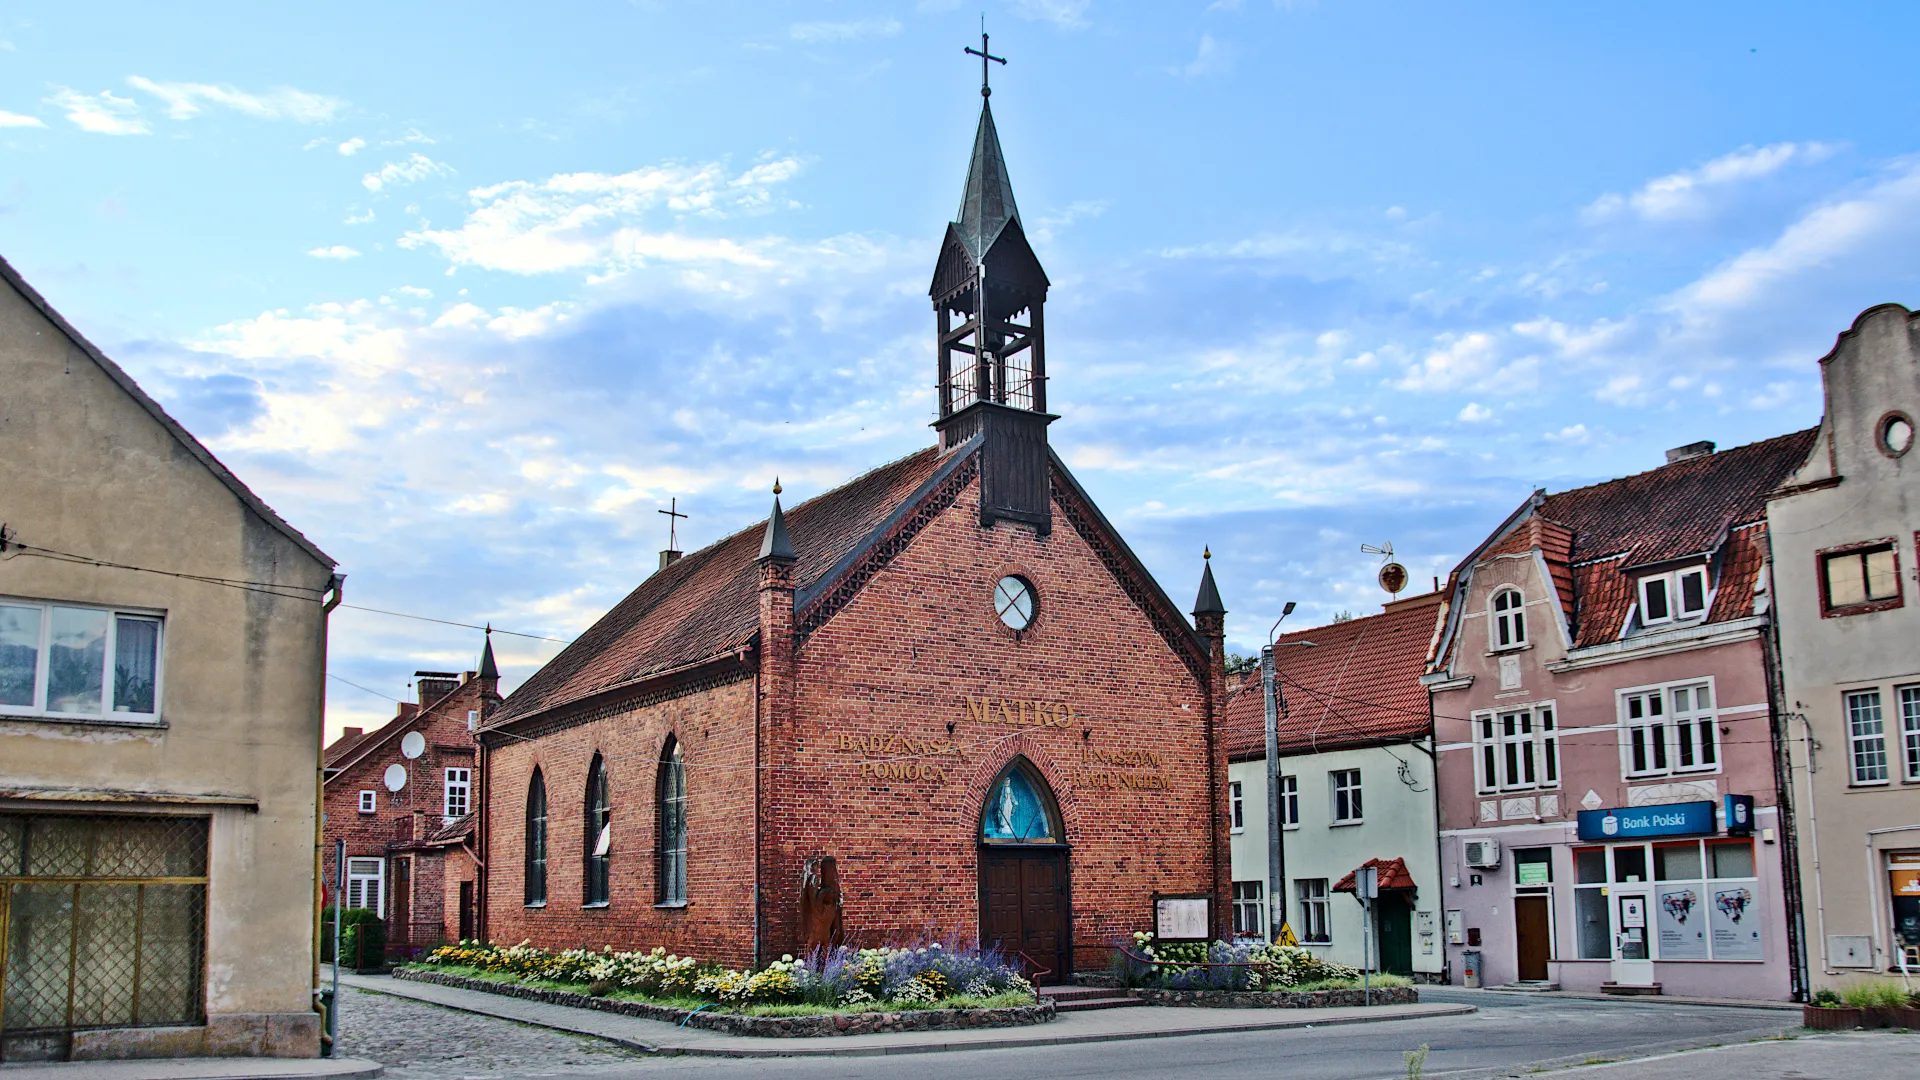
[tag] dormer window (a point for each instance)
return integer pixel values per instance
(1675, 596)
(1509, 627)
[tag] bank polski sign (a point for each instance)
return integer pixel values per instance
(1626, 823)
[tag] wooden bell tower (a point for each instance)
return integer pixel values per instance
(989, 295)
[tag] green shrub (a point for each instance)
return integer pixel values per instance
(1874, 994)
(1825, 999)
(363, 944)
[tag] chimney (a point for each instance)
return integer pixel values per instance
(1691, 450)
(434, 685)
(669, 557)
(348, 734)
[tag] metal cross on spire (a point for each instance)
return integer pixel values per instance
(984, 55)
(673, 516)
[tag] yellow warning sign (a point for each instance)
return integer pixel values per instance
(1286, 936)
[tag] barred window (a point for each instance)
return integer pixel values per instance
(536, 869)
(598, 834)
(673, 824)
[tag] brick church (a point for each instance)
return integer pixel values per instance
(943, 700)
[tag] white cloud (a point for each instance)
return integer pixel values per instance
(1211, 58)
(1065, 14)
(1475, 413)
(1685, 194)
(416, 167)
(577, 221)
(352, 146)
(339, 252)
(102, 114)
(17, 120)
(186, 100)
(814, 33)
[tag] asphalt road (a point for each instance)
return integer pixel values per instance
(1509, 1033)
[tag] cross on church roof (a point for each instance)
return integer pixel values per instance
(984, 55)
(673, 514)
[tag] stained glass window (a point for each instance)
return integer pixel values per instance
(1017, 811)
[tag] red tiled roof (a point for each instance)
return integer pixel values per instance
(1393, 875)
(342, 748)
(708, 603)
(1358, 686)
(1692, 507)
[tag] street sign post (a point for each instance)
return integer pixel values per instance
(1366, 885)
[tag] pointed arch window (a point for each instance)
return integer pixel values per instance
(1020, 808)
(1509, 627)
(536, 870)
(672, 810)
(598, 834)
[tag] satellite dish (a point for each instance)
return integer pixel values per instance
(413, 744)
(396, 777)
(1393, 577)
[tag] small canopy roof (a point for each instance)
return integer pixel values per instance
(1393, 875)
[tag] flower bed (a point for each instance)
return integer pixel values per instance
(1148, 964)
(830, 992)
(1280, 999)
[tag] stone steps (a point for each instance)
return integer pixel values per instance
(1067, 999)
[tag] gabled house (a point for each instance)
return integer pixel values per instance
(162, 645)
(1356, 788)
(1846, 542)
(411, 853)
(1601, 695)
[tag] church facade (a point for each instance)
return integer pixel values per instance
(943, 701)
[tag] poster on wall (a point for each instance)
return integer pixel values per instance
(1735, 918)
(1682, 921)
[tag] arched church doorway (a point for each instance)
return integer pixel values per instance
(1025, 903)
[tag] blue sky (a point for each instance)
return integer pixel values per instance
(469, 292)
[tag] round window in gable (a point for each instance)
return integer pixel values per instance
(1896, 434)
(1013, 599)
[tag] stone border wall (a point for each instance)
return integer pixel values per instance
(1278, 999)
(776, 1027)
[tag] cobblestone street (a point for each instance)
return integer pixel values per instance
(425, 1042)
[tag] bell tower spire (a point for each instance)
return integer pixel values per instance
(989, 297)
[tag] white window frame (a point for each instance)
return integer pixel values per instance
(1250, 909)
(107, 714)
(1316, 911)
(1511, 620)
(1289, 802)
(1501, 757)
(1336, 787)
(459, 780)
(358, 876)
(1910, 728)
(1682, 733)
(1866, 742)
(368, 802)
(1236, 806)
(1673, 591)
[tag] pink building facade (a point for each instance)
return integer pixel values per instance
(1609, 807)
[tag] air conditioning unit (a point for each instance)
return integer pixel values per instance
(1482, 854)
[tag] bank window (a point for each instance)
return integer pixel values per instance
(1593, 925)
(1669, 729)
(459, 793)
(1855, 578)
(1314, 924)
(1704, 903)
(1346, 796)
(1249, 909)
(1519, 749)
(1910, 728)
(1289, 802)
(73, 662)
(1675, 596)
(1866, 737)
(367, 802)
(1509, 626)
(364, 884)
(1237, 806)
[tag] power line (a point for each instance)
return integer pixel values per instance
(450, 622)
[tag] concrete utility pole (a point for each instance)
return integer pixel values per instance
(1277, 931)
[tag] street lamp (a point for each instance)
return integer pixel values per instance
(1277, 930)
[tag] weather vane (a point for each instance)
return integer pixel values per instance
(984, 55)
(673, 515)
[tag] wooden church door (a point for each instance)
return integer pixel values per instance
(1025, 903)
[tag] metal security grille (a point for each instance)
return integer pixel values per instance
(102, 921)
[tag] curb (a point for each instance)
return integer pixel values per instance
(1637, 1053)
(235, 1068)
(787, 1049)
(1706, 1003)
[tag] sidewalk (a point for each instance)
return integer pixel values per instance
(1109, 1025)
(1653, 999)
(197, 1069)
(1840, 1056)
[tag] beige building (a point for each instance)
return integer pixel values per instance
(162, 649)
(1843, 536)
